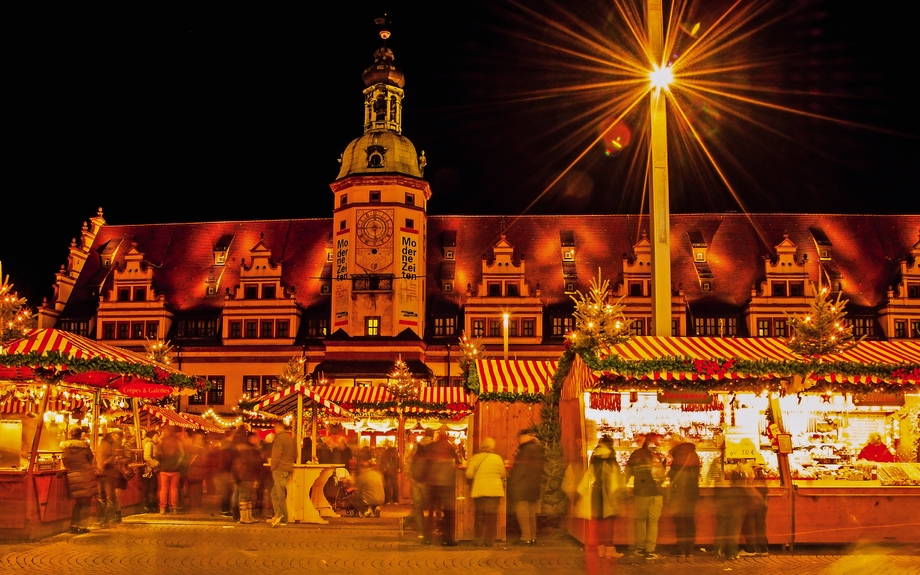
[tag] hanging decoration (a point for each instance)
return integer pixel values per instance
(598, 323)
(15, 315)
(822, 331)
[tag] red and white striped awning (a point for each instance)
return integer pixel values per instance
(353, 394)
(452, 398)
(43, 341)
(885, 352)
(515, 376)
(285, 401)
(202, 423)
(167, 416)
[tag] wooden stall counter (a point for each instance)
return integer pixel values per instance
(37, 510)
(850, 511)
(306, 501)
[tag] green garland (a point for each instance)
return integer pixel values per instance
(55, 363)
(472, 383)
(511, 397)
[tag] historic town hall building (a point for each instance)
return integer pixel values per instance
(383, 278)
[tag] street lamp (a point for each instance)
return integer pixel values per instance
(659, 211)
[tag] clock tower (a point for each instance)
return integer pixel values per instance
(379, 219)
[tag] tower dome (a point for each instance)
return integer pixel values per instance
(382, 149)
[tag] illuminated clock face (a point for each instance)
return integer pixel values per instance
(375, 228)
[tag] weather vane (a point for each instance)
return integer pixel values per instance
(384, 24)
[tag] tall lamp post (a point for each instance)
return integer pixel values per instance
(659, 211)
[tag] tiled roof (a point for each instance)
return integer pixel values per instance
(866, 252)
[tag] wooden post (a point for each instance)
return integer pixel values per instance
(97, 399)
(137, 422)
(785, 472)
(313, 436)
(299, 435)
(38, 432)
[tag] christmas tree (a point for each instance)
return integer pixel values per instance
(403, 386)
(823, 330)
(158, 351)
(15, 315)
(598, 323)
(292, 374)
(470, 351)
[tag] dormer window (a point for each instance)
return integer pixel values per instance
(796, 289)
(569, 287)
(448, 287)
(495, 289)
(325, 289)
(220, 258)
(512, 290)
(140, 294)
(268, 291)
(707, 287)
(106, 262)
(699, 256)
(251, 291)
(779, 289)
(124, 294)
(449, 255)
(568, 256)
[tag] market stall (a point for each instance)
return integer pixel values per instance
(754, 401)
(306, 501)
(55, 380)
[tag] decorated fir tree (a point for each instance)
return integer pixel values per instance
(471, 349)
(15, 315)
(822, 331)
(598, 323)
(159, 350)
(292, 374)
(402, 384)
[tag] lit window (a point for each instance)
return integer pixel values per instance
(479, 327)
(444, 326)
(900, 328)
(562, 325)
(495, 329)
(153, 329)
(372, 326)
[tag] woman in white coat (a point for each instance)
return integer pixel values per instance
(487, 470)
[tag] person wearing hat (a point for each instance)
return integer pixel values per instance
(524, 485)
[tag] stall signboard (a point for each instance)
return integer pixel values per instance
(145, 390)
(742, 449)
(676, 396)
(878, 399)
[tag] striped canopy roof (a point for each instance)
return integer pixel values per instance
(285, 401)
(712, 350)
(77, 354)
(167, 416)
(203, 423)
(43, 341)
(17, 406)
(447, 398)
(522, 377)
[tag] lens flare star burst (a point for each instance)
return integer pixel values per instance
(718, 68)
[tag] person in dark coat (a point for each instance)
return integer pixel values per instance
(644, 465)
(389, 466)
(81, 478)
(440, 485)
(109, 477)
(524, 484)
(247, 470)
(684, 475)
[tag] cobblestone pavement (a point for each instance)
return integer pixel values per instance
(183, 546)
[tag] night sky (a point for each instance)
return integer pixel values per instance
(241, 113)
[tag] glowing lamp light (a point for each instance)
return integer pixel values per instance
(661, 77)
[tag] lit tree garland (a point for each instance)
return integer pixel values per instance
(403, 386)
(292, 374)
(470, 351)
(15, 315)
(823, 331)
(598, 323)
(159, 351)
